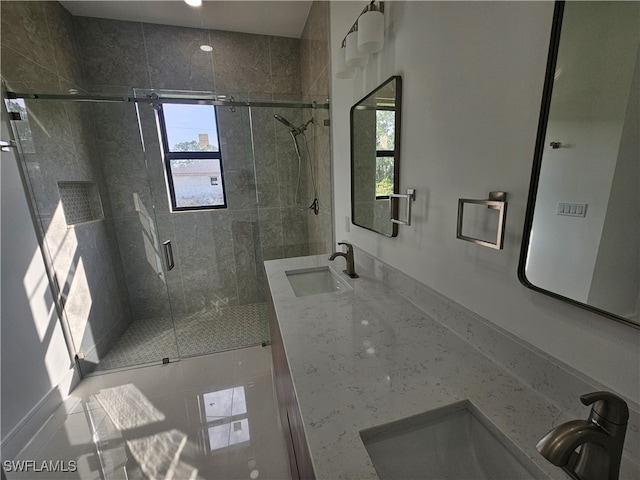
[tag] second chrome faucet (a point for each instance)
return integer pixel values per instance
(600, 438)
(351, 268)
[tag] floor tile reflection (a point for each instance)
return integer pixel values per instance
(208, 417)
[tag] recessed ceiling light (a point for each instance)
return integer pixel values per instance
(206, 48)
(193, 3)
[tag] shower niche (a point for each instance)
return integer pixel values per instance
(80, 202)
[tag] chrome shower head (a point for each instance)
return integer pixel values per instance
(294, 130)
(286, 122)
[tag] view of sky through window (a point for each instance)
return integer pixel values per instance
(191, 128)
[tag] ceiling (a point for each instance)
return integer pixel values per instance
(280, 18)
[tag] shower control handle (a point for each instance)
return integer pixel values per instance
(168, 254)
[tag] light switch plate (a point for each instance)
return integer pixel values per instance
(572, 209)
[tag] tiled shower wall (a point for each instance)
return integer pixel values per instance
(39, 53)
(316, 76)
(218, 253)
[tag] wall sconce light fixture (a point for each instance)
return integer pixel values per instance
(341, 69)
(365, 37)
(353, 57)
(371, 29)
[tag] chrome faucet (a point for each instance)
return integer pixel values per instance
(351, 268)
(600, 438)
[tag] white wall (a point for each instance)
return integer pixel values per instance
(36, 368)
(563, 249)
(472, 75)
(619, 252)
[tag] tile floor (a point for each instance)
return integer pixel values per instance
(207, 417)
(209, 331)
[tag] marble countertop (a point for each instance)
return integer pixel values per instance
(368, 357)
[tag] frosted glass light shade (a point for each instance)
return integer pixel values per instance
(341, 69)
(354, 58)
(370, 32)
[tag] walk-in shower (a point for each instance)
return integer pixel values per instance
(95, 174)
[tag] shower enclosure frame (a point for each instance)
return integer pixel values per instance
(154, 99)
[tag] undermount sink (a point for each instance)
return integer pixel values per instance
(313, 281)
(454, 442)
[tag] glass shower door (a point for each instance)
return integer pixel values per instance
(87, 181)
(217, 285)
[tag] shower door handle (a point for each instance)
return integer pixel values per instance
(168, 254)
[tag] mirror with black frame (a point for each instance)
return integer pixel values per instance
(581, 241)
(375, 157)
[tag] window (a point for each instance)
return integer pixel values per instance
(192, 157)
(385, 152)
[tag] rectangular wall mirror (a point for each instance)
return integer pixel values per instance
(581, 242)
(375, 158)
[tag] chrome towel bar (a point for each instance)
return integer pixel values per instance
(410, 196)
(496, 201)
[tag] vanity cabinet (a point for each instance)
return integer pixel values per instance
(297, 448)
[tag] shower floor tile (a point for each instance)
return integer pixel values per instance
(225, 329)
(213, 416)
(145, 341)
(150, 340)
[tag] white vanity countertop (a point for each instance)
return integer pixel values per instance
(368, 357)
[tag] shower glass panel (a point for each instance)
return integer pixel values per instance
(89, 186)
(217, 289)
(217, 285)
